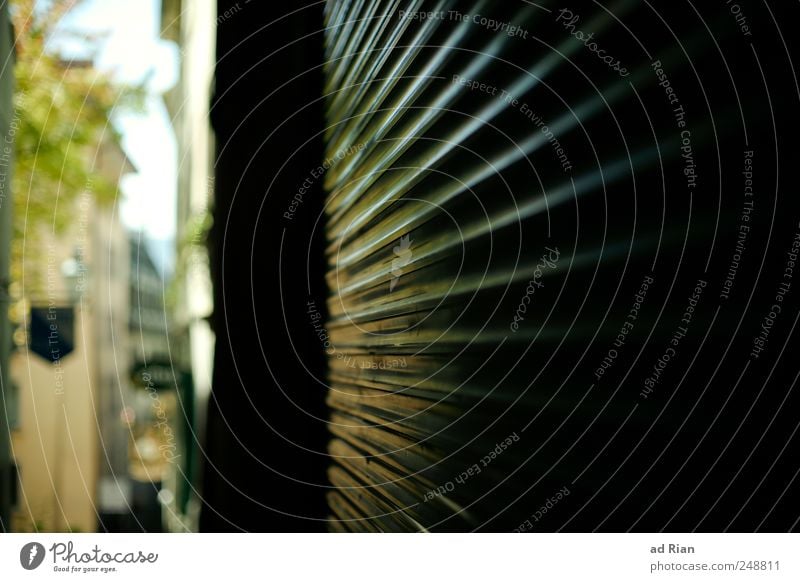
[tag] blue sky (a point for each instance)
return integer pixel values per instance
(131, 50)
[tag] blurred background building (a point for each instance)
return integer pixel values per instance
(192, 26)
(70, 442)
(99, 394)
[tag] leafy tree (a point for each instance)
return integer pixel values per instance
(62, 114)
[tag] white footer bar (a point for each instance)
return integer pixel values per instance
(401, 557)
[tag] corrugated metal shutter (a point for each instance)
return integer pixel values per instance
(469, 227)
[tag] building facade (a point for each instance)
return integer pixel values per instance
(192, 27)
(70, 441)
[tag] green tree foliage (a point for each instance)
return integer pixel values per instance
(62, 114)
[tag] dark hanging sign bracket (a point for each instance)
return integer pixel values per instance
(52, 332)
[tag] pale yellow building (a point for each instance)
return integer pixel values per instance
(70, 438)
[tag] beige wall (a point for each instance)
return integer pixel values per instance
(56, 442)
(70, 434)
